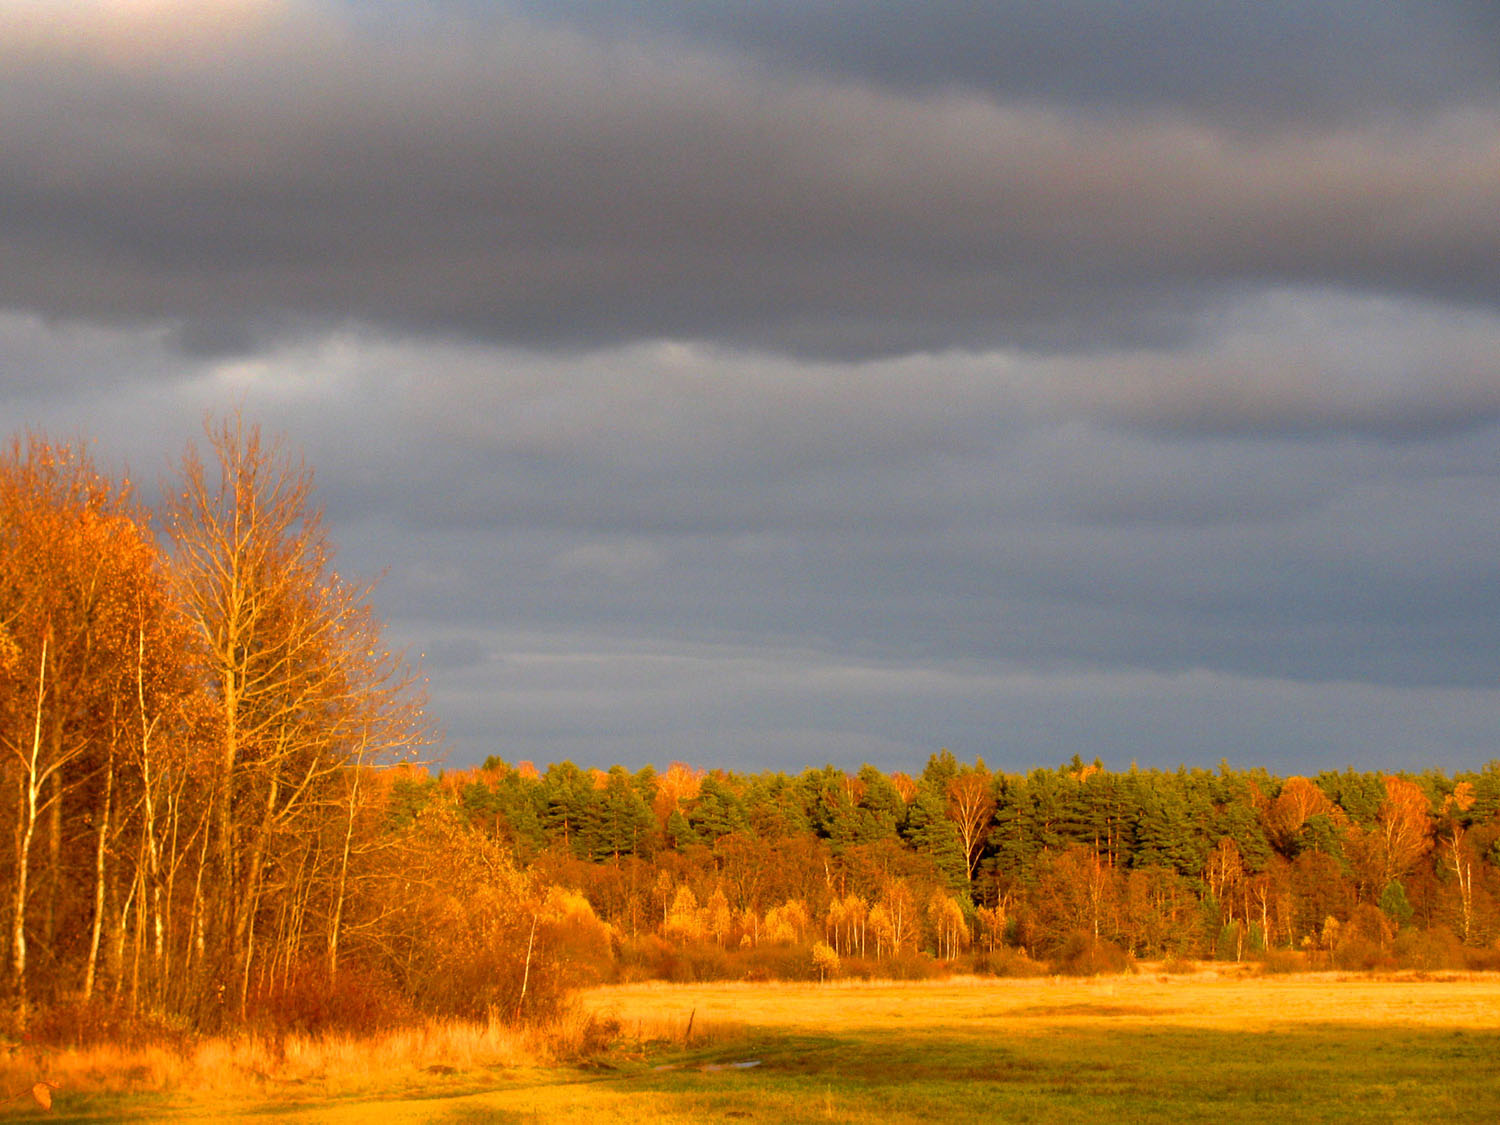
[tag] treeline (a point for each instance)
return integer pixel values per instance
(212, 813)
(194, 711)
(1078, 867)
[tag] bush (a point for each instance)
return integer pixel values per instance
(1428, 950)
(860, 968)
(1359, 955)
(1482, 960)
(1005, 962)
(825, 960)
(1364, 941)
(777, 962)
(639, 958)
(357, 999)
(103, 1023)
(1083, 955)
(1283, 961)
(704, 961)
(911, 966)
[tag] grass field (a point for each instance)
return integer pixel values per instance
(1142, 1047)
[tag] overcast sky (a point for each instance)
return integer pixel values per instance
(766, 384)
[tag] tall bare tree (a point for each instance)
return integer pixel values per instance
(970, 805)
(302, 688)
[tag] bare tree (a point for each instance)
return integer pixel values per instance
(970, 804)
(302, 688)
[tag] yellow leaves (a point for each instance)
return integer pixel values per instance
(1299, 799)
(1460, 800)
(993, 921)
(1401, 835)
(825, 960)
(949, 927)
(786, 923)
(10, 652)
(41, 1093)
(678, 783)
(686, 921)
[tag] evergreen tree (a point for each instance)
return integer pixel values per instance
(931, 834)
(570, 804)
(623, 825)
(880, 810)
(716, 811)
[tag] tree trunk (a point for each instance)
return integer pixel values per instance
(31, 788)
(53, 807)
(96, 930)
(336, 919)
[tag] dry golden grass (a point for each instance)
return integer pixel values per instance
(250, 1067)
(1148, 1046)
(1230, 1002)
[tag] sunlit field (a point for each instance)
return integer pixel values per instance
(1141, 1047)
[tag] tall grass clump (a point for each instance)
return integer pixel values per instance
(326, 1063)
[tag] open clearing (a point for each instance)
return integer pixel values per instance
(1140, 1047)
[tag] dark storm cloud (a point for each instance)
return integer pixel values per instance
(773, 383)
(524, 182)
(676, 551)
(1239, 62)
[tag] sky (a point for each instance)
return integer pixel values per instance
(785, 382)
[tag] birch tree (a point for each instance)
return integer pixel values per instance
(302, 688)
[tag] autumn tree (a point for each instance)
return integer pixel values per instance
(303, 688)
(950, 929)
(79, 592)
(1457, 857)
(1400, 835)
(1077, 894)
(1285, 815)
(970, 805)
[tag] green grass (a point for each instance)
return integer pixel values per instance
(1128, 1049)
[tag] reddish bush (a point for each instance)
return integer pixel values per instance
(1428, 950)
(1083, 955)
(1005, 962)
(357, 999)
(94, 1024)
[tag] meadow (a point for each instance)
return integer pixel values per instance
(1145, 1046)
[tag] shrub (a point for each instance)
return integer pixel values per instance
(642, 958)
(1283, 961)
(1083, 955)
(1428, 950)
(1358, 955)
(1364, 941)
(825, 960)
(358, 999)
(860, 968)
(777, 962)
(1005, 961)
(704, 961)
(1482, 960)
(102, 1023)
(911, 966)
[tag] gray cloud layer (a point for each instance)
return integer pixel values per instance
(766, 385)
(527, 182)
